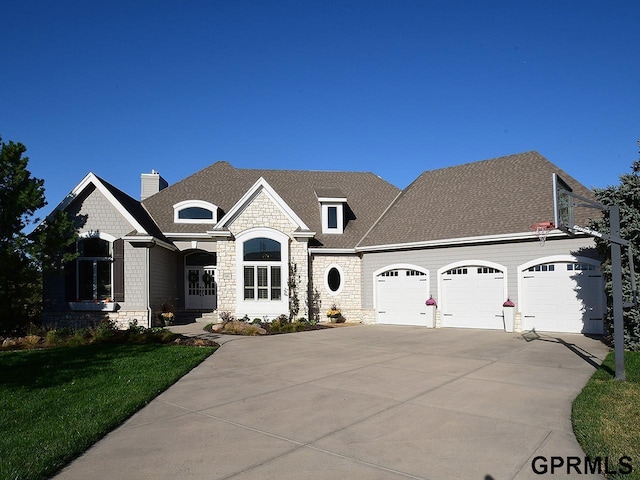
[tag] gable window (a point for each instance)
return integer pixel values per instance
(332, 217)
(333, 206)
(262, 269)
(94, 277)
(195, 211)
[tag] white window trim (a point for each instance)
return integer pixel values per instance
(325, 218)
(262, 307)
(326, 279)
(199, 204)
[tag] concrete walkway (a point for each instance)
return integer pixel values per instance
(362, 402)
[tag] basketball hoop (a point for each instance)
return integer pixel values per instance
(541, 229)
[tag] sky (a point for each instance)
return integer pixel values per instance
(393, 87)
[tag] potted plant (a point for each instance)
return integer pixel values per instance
(508, 313)
(167, 317)
(335, 315)
(431, 311)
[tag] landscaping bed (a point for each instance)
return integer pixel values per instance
(257, 326)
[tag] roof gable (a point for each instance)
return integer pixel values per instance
(261, 185)
(118, 199)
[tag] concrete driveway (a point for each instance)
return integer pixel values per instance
(361, 402)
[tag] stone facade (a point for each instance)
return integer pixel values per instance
(261, 213)
(348, 298)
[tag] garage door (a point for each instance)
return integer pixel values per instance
(472, 297)
(563, 297)
(400, 297)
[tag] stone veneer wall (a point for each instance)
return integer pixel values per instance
(349, 298)
(261, 212)
(122, 318)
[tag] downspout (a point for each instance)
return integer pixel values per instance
(148, 286)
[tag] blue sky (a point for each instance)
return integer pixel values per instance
(394, 87)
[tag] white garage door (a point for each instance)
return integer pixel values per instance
(400, 297)
(472, 297)
(563, 297)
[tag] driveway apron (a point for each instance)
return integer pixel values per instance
(361, 402)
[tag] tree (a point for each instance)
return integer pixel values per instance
(23, 257)
(627, 196)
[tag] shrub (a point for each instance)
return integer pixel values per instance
(226, 317)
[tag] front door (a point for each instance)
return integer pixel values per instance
(200, 285)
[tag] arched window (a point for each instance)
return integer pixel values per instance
(262, 269)
(195, 211)
(262, 250)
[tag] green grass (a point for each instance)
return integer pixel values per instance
(56, 403)
(605, 415)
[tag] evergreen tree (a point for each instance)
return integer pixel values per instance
(627, 196)
(23, 257)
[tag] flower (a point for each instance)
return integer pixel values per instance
(508, 303)
(333, 312)
(431, 301)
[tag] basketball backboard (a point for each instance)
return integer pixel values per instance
(563, 205)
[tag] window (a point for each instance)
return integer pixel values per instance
(332, 217)
(195, 211)
(262, 250)
(334, 279)
(262, 269)
(94, 270)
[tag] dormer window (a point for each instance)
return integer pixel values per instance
(195, 211)
(332, 207)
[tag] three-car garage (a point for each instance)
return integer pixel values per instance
(556, 294)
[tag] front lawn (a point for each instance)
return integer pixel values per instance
(605, 416)
(55, 403)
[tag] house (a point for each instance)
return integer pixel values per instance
(255, 242)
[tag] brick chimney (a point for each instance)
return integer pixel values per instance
(151, 183)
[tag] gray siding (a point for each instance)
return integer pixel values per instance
(99, 214)
(163, 278)
(511, 255)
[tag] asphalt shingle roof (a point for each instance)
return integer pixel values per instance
(223, 185)
(498, 196)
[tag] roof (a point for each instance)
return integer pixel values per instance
(135, 208)
(223, 185)
(130, 208)
(492, 197)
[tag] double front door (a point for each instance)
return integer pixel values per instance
(200, 288)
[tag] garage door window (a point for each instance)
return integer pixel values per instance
(542, 268)
(580, 267)
(414, 273)
(457, 271)
(482, 270)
